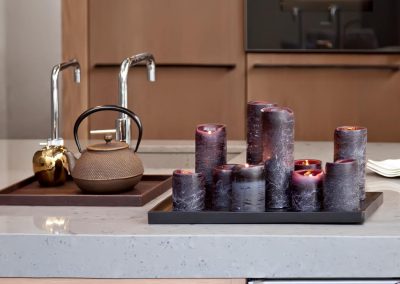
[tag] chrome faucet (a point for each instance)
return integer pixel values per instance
(55, 139)
(123, 125)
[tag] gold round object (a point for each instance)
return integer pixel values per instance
(50, 165)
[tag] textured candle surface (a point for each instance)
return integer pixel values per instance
(210, 152)
(341, 192)
(306, 190)
(351, 143)
(222, 190)
(188, 191)
(248, 188)
(278, 147)
(254, 154)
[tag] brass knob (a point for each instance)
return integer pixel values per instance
(108, 138)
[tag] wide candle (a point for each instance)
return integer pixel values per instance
(306, 189)
(278, 147)
(254, 131)
(351, 143)
(188, 191)
(307, 164)
(248, 188)
(341, 192)
(210, 152)
(222, 190)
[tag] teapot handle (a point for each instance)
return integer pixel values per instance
(90, 111)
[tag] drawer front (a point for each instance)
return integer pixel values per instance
(180, 99)
(175, 31)
(335, 91)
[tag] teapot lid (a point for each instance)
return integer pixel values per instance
(108, 146)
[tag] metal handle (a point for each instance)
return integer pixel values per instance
(90, 111)
(383, 67)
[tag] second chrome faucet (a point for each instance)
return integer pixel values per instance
(123, 127)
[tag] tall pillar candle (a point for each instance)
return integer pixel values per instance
(306, 190)
(188, 191)
(222, 190)
(341, 192)
(278, 147)
(210, 152)
(248, 188)
(254, 131)
(351, 143)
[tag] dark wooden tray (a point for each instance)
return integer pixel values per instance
(29, 192)
(163, 214)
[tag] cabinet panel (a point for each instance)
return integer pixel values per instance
(361, 90)
(175, 31)
(181, 98)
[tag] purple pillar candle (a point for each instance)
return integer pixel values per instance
(222, 190)
(248, 188)
(341, 192)
(351, 143)
(307, 164)
(188, 191)
(254, 131)
(306, 189)
(278, 147)
(210, 152)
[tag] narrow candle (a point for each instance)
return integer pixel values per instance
(222, 190)
(278, 147)
(188, 191)
(306, 189)
(248, 188)
(351, 143)
(210, 152)
(254, 131)
(341, 192)
(307, 164)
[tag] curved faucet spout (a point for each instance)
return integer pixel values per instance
(123, 123)
(55, 105)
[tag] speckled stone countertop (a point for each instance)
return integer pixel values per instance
(105, 242)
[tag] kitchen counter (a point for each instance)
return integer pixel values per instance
(105, 242)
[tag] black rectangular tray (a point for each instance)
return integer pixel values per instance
(163, 214)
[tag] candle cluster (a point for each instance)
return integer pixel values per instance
(271, 179)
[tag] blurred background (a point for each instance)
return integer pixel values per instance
(30, 44)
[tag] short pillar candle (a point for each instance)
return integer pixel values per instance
(254, 154)
(341, 192)
(188, 191)
(248, 188)
(306, 189)
(210, 152)
(307, 164)
(222, 191)
(351, 143)
(278, 147)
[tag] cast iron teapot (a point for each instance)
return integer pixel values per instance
(107, 167)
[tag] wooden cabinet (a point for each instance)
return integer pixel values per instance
(204, 74)
(198, 47)
(326, 91)
(180, 99)
(175, 31)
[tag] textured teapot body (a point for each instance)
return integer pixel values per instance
(107, 171)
